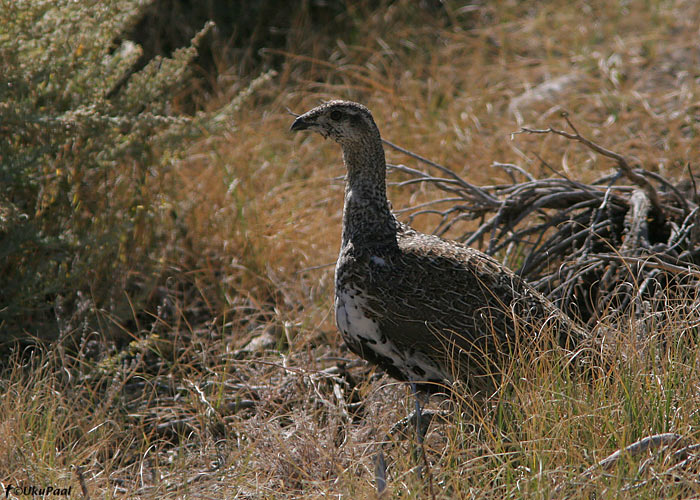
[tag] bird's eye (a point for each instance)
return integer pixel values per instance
(336, 115)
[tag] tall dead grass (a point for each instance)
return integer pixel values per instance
(186, 411)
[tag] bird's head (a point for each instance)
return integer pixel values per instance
(347, 123)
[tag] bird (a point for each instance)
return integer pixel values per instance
(426, 310)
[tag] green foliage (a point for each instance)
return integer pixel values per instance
(74, 164)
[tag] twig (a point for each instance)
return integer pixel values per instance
(661, 180)
(476, 191)
(314, 268)
(636, 234)
(692, 181)
(655, 264)
(636, 448)
(509, 167)
(622, 162)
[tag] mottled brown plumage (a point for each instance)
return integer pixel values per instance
(424, 309)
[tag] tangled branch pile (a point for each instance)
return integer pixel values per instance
(601, 251)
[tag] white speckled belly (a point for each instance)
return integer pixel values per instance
(362, 333)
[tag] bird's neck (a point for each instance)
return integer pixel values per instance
(367, 219)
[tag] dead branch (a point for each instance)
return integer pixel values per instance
(622, 162)
(648, 443)
(636, 234)
(680, 458)
(474, 190)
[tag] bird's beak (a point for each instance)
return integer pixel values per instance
(300, 124)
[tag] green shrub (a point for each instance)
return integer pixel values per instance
(76, 166)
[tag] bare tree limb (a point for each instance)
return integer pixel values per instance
(622, 162)
(638, 447)
(476, 191)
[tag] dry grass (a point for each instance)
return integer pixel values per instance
(186, 411)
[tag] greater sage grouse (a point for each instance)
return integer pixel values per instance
(424, 309)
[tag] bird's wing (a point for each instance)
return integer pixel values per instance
(435, 296)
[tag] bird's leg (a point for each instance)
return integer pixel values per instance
(419, 419)
(421, 431)
(380, 471)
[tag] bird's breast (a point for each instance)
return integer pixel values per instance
(361, 328)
